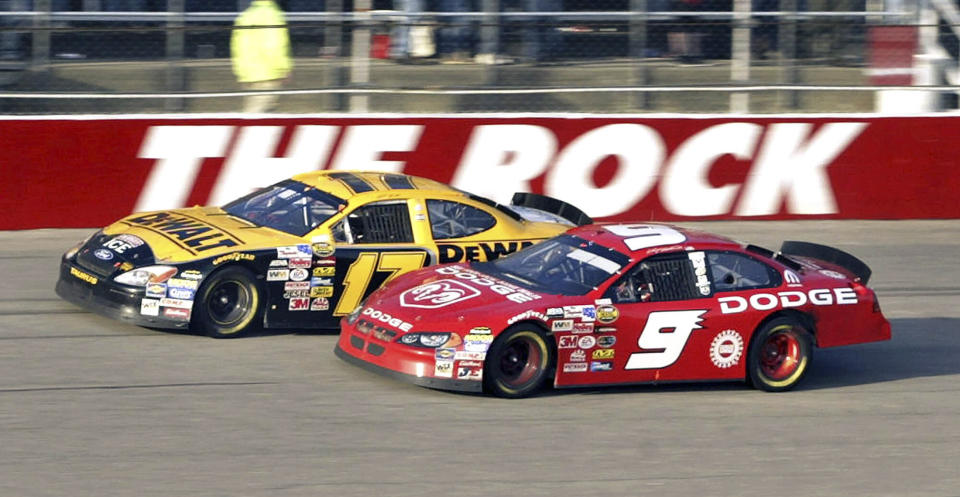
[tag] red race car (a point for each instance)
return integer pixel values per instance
(617, 304)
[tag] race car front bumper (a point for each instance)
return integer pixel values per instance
(396, 361)
(101, 295)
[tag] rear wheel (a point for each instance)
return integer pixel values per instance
(228, 303)
(518, 362)
(780, 354)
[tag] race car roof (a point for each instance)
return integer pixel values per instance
(346, 184)
(644, 238)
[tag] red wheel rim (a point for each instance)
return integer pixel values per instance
(520, 361)
(781, 355)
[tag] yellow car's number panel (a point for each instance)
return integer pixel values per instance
(356, 282)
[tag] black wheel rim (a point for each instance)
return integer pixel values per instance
(520, 361)
(229, 302)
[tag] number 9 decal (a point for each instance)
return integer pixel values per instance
(666, 347)
(360, 273)
(641, 236)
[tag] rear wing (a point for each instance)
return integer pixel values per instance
(551, 205)
(828, 254)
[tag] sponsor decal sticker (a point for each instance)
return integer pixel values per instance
(299, 304)
(296, 285)
(387, 319)
(132, 240)
(601, 366)
(607, 314)
(181, 293)
(278, 263)
(699, 261)
(187, 231)
(103, 254)
(575, 367)
(606, 341)
(481, 330)
(567, 342)
(464, 355)
(321, 281)
(150, 307)
(299, 274)
(178, 303)
(599, 354)
(296, 294)
(726, 349)
(324, 271)
(606, 329)
(235, 257)
(156, 290)
(438, 294)
(320, 304)
(527, 315)
(294, 251)
(321, 292)
(278, 275)
(83, 276)
(177, 313)
(444, 354)
(586, 342)
(588, 314)
(477, 343)
(513, 293)
(562, 325)
(554, 312)
(191, 274)
(791, 278)
(322, 246)
(581, 328)
(578, 355)
(470, 370)
(299, 263)
(443, 369)
(790, 298)
(182, 283)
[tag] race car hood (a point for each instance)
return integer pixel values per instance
(181, 235)
(450, 298)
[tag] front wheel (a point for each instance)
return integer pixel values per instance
(518, 363)
(228, 303)
(779, 356)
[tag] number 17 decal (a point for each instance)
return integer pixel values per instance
(358, 276)
(664, 347)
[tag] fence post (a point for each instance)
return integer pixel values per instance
(638, 48)
(740, 54)
(489, 51)
(788, 53)
(175, 75)
(41, 36)
(360, 55)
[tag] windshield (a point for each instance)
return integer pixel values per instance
(565, 265)
(288, 206)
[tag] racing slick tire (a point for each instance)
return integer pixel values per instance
(228, 303)
(779, 356)
(518, 362)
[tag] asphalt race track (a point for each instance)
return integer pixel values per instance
(93, 407)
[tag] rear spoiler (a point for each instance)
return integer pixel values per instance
(828, 254)
(551, 205)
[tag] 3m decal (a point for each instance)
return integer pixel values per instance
(188, 232)
(299, 304)
(359, 274)
(768, 301)
(567, 342)
(726, 349)
(663, 338)
(483, 251)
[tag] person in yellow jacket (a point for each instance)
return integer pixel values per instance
(261, 56)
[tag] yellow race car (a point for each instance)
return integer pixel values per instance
(298, 254)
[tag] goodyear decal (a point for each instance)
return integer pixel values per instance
(236, 257)
(186, 231)
(476, 252)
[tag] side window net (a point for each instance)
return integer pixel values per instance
(657, 280)
(380, 223)
(731, 271)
